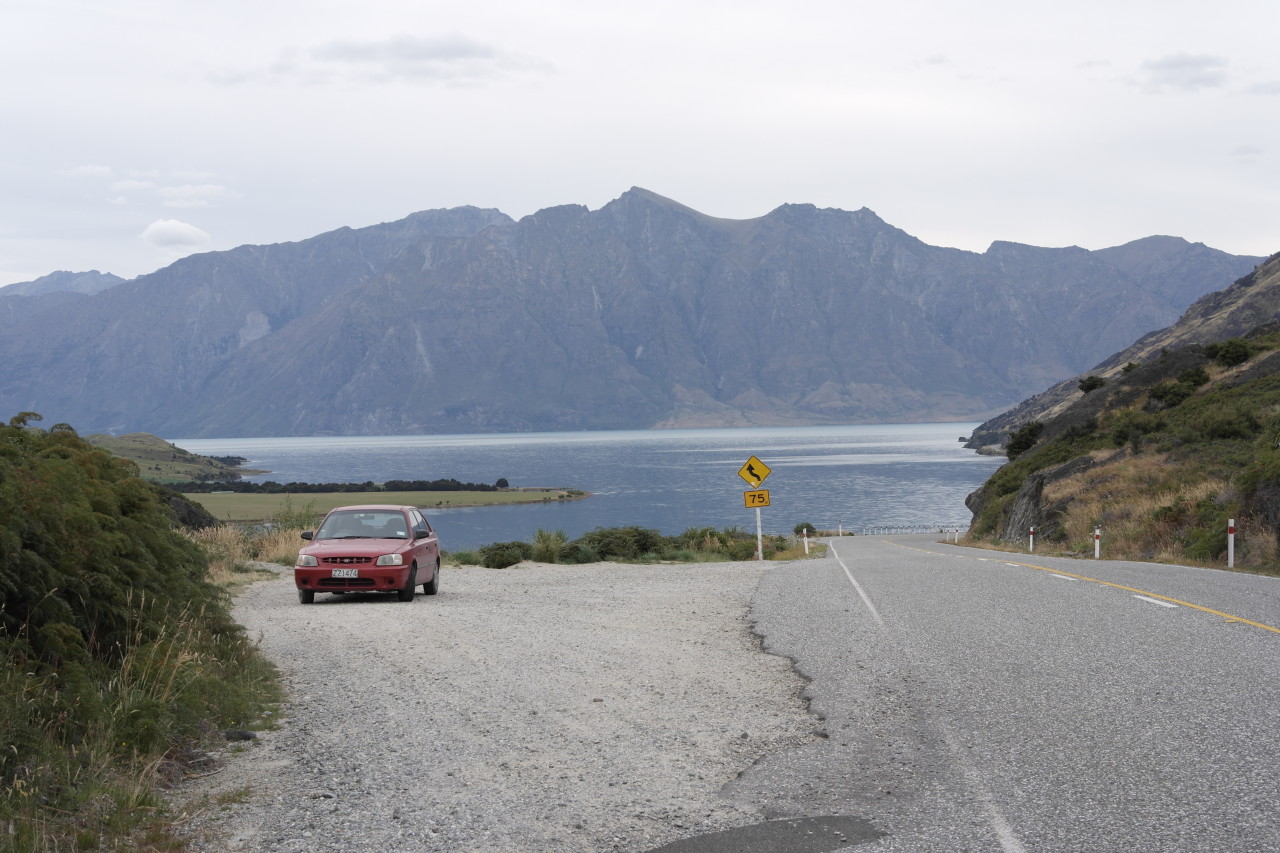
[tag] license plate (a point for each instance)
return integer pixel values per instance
(346, 573)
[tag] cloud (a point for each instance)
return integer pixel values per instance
(172, 235)
(1271, 88)
(441, 59)
(131, 185)
(1183, 72)
(191, 195)
(88, 170)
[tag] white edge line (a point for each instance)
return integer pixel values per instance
(1156, 601)
(1063, 577)
(875, 614)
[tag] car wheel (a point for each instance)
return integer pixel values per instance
(432, 586)
(406, 593)
(306, 596)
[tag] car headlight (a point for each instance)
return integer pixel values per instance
(307, 560)
(391, 560)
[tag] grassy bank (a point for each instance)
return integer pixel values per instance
(228, 506)
(120, 665)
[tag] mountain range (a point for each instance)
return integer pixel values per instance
(644, 313)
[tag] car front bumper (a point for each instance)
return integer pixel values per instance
(368, 579)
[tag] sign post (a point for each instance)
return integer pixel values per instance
(1231, 543)
(755, 472)
(1032, 541)
(1097, 543)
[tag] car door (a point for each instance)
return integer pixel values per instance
(425, 544)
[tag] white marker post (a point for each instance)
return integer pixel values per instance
(1097, 543)
(759, 537)
(1032, 546)
(806, 539)
(1231, 543)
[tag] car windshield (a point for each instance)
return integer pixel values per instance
(366, 524)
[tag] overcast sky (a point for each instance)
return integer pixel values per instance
(139, 131)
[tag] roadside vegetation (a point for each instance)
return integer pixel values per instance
(634, 545)
(119, 661)
(1159, 461)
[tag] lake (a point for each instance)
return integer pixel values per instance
(855, 477)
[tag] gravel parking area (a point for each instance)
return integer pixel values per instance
(541, 708)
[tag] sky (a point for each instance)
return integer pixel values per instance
(140, 131)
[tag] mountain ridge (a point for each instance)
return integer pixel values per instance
(642, 313)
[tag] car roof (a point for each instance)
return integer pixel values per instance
(373, 507)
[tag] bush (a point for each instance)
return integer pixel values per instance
(803, 528)
(1128, 426)
(1091, 383)
(115, 650)
(502, 555)
(547, 545)
(578, 554)
(1024, 439)
(1230, 352)
(625, 543)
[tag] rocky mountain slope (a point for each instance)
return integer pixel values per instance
(1250, 302)
(1173, 438)
(643, 313)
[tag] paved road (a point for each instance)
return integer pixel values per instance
(980, 701)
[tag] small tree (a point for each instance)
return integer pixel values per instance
(805, 527)
(1023, 439)
(1091, 383)
(1232, 351)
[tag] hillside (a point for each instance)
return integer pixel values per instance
(161, 462)
(1179, 434)
(643, 313)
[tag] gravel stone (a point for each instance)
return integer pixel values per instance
(540, 708)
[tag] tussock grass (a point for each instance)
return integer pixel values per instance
(90, 778)
(1147, 506)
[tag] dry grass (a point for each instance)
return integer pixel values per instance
(232, 548)
(1123, 494)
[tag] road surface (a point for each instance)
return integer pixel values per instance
(983, 701)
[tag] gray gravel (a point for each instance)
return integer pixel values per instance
(540, 708)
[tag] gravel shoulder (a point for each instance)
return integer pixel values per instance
(541, 708)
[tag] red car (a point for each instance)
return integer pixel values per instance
(371, 548)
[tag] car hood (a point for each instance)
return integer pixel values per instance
(355, 547)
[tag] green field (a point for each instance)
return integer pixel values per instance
(230, 506)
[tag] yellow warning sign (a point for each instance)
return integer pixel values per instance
(754, 472)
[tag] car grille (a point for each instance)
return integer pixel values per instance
(346, 561)
(345, 583)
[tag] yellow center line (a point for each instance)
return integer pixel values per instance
(1226, 616)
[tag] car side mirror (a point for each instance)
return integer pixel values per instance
(307, 534)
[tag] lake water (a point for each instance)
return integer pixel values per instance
(853, 477)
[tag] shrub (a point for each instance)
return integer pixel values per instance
(502, 555)
(115, 650)
(1091, 383)
(1230, 352)
(1220, 423)
(547, 545)
(803, 528)
(626, 543)
(577, 553)
(1024, 439)
(1128, 426)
